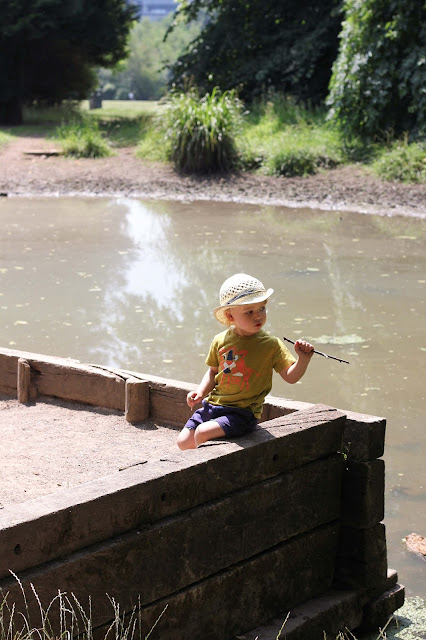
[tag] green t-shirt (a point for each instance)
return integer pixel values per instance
(245, 366)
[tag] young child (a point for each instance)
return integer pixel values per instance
(241, 361)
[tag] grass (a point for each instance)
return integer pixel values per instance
(121, 123)
(151, 145)
(282, 138)
(125, 122)
(5, 138)
(66, 618)
(408, 623)
(276, 137)
(83, 139)
(402, 162)
(122, 108)
(200, 131)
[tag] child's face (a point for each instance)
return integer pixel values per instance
(248, 319)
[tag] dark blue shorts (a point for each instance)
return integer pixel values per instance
(233, 420)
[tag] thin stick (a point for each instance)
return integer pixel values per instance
(320, 353)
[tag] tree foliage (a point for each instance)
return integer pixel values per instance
(258, 45)
(143, 73)
(379, 77)
(49, 47)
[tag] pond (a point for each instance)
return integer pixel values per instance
(131, 284)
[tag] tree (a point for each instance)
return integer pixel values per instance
(379, 77)
(257, 45)
(49, 47)
(143, 72)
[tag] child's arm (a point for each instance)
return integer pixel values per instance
(304, 351)
(205, 386)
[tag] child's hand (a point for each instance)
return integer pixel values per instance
(304, 349)
(193, 398)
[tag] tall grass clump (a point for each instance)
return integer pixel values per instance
(83, 139)
(201, 131)
(403, 162)
(66, 618)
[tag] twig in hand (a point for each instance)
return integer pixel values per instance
(320, 353)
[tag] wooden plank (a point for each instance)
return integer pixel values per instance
(24, 380)
(258, 588)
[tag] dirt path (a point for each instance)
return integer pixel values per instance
(346, 188)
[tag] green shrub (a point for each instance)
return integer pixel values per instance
(201, 132)
(285, 138)
(378, 77)
(403, 162)
(83, 139)
(293, 162)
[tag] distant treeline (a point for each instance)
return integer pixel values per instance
(364, 59)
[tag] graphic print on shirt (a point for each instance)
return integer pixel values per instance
(234, 368)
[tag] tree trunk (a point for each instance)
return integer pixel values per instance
(11, 111)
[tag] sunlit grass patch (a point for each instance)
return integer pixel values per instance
(403, 162)
(5, 138)
(124, 122)
(152, 145)
(83, 139)
(282, 138)
(122, 108)
(120, 121)
(39, 114)
(124, 131)
(302, 151)
(295, 150)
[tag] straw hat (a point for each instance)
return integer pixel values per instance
(237, 290)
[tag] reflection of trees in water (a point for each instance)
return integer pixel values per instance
(170, 334)
(198, 249)
(59, 277)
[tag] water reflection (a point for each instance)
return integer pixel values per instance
(131, 283)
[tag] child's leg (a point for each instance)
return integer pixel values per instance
(186, 439)
(192, 438)
(208, 431)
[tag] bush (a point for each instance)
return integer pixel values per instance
(404, 162)
(83, 139)
(298, 162)
(377, 85)
(289, 162)
(285, 138)
(201, 131)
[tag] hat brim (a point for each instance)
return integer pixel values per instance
(260, 296)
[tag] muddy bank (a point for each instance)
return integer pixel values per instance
(346, 188)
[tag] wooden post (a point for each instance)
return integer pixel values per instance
(24, 380)
(137, 400)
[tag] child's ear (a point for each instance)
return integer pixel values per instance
(229, 316)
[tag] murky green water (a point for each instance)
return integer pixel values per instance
(131, 284)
